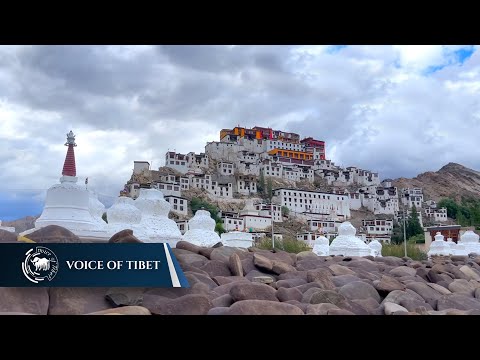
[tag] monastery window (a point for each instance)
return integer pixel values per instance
(377, 229)
(175, 207)
(174, 201)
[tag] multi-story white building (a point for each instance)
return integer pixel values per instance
(225, 168)
(197, 161)
(247, 184)
(309, 237)
(378, 229)
(215, 188)
(301, 201)
(265, 209)
(176, 161)
(173, 189)
(179, 204)
(324, 226)
(233, 223)
(412, 196)
(436, 215)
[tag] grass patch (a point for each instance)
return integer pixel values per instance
(398, 250)
(288, 245)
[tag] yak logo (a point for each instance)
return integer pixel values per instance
(40, 263)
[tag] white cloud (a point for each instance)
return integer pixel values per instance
(375, 106)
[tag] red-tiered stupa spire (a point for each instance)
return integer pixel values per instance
(69, 168)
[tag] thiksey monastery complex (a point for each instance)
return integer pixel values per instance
(272, 177)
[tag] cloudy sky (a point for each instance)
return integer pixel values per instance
(397, 110)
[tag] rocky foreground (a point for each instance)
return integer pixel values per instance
(231, 281)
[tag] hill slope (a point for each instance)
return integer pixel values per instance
(453, 181)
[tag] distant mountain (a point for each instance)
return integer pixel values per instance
(452, 181)
(22, 224)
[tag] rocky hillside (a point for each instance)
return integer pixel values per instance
(453, 180)
(22, 224)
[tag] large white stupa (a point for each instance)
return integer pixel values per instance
(155, 226)
(201, 230)
(69, 205)
(321, 246)
(347, 244)
(470, 243)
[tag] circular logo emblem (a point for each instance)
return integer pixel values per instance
(40, 263)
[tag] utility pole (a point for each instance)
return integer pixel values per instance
(404, 231)
(273, 237)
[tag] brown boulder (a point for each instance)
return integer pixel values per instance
(124, 310)
(359, 290)
(262, 262)
(124, 236)
(77, 301)
(387, 284)
(194, 304)
(263, 307)
(252, 291)
(321, 276)
(290, 283)
(286, 294)
(185, 245)
(280, 267)
(24, 300)
(53, 234)
(7, 237)
(235, 265)
(216, 268)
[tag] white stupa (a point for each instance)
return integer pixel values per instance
(7, 228)
(155, 226)
(241, 239)
(439, 246)
(123, 214)
(96, 207)
(452, 246)
(375, 248)
(470, 242)
(68, 204)
(201, 230)
(321, 246)
(347, 244)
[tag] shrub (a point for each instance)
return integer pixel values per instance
(288, 245)
(398, 250)
(104, 217)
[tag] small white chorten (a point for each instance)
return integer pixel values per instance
(470, 242)
(439, 246)
(452, 246)
(321, 247)
(347, 244)
(155, 226)
(201, 230)
(239, 239)
(375, 248)
(123, 214)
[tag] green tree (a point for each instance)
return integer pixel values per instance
(285, 211)
(451, 205)
(104, 217)
(269, 192)
(413, 226)
(397, 233)
(219, 228)
(261, 184)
